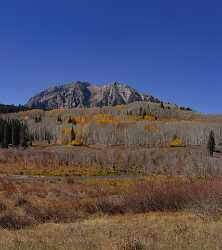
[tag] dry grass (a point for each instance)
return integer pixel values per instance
(155, 231)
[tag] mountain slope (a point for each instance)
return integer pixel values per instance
(84, 94)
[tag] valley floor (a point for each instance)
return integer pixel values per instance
(110, 198)
(100, 160)
(153, 231)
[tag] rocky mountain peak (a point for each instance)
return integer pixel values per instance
(84, 94)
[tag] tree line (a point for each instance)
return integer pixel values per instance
(13, 133)
(5, 109)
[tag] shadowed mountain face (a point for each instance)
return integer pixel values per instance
(83, 94)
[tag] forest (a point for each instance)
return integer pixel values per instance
(13, 133)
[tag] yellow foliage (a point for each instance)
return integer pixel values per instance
(120, 107)
(76, 143)
(151, 127)
(80, 119)
(106, 119)
(140, 118)
(149, 118)
(177, 142)
(134, 118)
(66, 131)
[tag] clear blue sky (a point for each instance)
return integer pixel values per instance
(172, 49)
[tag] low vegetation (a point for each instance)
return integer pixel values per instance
(54, 160)
(30, 201)
(156, 231)
(140, 176)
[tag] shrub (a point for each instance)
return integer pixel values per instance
(13, 221)
(131, 243)
(176, 142)
(76, 143)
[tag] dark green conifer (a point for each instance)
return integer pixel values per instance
(211, 143)
(73, 135)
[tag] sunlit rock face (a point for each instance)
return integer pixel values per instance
(83, 94)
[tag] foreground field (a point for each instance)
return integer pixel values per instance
(62, 210)
(153, 231)
(30, 201)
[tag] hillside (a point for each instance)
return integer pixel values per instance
(83, 94)
(139, 123)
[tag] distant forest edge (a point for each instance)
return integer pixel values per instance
(4, 109)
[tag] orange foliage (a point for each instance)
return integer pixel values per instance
(81, 119)
(151, 127)
(134, 118)
(120, 107)
(66, 131)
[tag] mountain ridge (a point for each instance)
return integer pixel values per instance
(84, 94)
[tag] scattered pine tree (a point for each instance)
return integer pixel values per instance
(73, 135)
(70, 120)
(211, 143)
(144, 114)
(162, 105)
(38, 119)
(59, 118)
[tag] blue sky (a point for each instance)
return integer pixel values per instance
(172, 49)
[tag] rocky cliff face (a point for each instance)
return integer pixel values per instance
(84, 94)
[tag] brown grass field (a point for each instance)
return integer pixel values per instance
(121, 198)
(153, 231)
(120, 213)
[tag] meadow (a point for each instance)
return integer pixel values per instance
(123, 178)
(110, 213)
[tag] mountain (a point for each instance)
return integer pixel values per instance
(84, 94)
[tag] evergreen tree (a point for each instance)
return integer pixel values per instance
(59, 118)
(70, 120)
(48, 137)
(73, 135)
(38, 119)
(140, 111)
(74, 122)
(144, 114)
(211, 143)
(162, 105)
